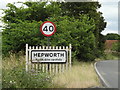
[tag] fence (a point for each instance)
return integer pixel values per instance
(48, 67)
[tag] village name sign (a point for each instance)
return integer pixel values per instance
(48, 56)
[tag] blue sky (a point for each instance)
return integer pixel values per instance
(109, 9)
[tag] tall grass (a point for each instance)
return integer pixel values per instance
(13, 61)
(81, 75)
(15, 76)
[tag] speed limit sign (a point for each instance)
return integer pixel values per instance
(48, 28)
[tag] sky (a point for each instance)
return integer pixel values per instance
(110, 13)
(109, 9)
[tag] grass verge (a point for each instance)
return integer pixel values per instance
(109, 56)
(81, 75)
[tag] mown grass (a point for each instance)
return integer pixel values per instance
(81, 75)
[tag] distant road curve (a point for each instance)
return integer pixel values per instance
(108, 72)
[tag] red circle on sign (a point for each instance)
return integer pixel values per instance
(47, 34)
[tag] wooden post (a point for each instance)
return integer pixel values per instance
(43, 66)
(60, 67)
(37, 64)
(30, 64)
(53, 65)
(40, 65)
(56, 68)
(70, 47)
(63, 65)
(33, 65)
(50, 64)
(46, 65)
(26, 57)
(67, 58)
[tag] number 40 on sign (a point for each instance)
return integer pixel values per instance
(48, 28)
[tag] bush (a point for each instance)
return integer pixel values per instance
(18, 78)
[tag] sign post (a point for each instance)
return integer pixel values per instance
(48, 29)
(53, 58)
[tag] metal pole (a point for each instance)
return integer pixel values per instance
(48, 43)
(48, 38)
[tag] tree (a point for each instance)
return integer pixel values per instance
(112, 36)
(35, 11)
(25, 29)
(116, 46)
(74, 9)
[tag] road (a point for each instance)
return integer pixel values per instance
(108, 72)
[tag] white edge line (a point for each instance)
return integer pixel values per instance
(100, 75)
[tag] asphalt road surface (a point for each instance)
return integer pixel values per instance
(108, 72)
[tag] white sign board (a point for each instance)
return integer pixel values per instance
(48, 56)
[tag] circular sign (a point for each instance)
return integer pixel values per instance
(48, 28)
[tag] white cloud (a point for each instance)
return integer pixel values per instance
(110, 13)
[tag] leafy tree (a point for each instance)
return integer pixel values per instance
(17, 35)
(74, 9)
(116, 46)
(23, 27)
(112, 36)
(21, 23)
(78, 32)
(37, 11)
